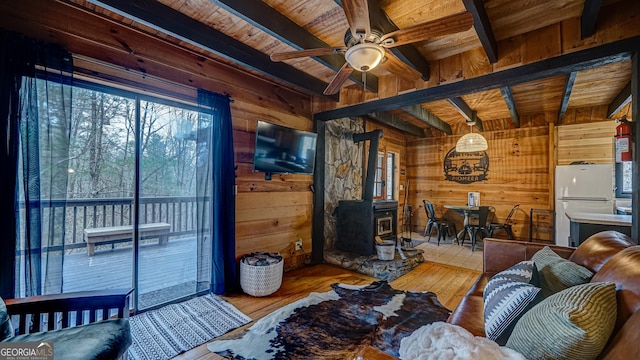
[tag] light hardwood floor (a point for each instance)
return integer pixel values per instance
(448, 279)
(450, 253)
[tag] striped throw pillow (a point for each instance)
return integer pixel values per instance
(557, 273)
(508, 296)
(575, 323)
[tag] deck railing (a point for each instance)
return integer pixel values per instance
(179, 212)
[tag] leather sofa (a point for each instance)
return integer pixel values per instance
(610, 255)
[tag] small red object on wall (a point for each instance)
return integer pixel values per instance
(623, 140)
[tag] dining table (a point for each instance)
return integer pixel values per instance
(467, 212)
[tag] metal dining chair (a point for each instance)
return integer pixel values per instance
(441, 225)
(506, 225)
(479, 229)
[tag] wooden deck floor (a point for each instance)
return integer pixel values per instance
(172, 266)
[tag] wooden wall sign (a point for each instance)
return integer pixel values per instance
(466, 168)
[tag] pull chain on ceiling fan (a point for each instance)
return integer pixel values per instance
(366, 47)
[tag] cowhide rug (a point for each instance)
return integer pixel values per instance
(336, 324)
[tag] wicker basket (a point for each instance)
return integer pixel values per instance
(261, 280)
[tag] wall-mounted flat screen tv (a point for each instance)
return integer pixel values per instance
(283, 150)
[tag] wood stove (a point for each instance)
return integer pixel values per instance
(360, 221)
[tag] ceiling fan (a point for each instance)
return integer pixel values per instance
(366, 46)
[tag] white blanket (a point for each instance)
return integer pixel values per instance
(443, 341)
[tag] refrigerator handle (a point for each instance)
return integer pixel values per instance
(584, 199)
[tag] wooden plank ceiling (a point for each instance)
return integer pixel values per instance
(244, 33)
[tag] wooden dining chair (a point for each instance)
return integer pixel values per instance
(506, 225)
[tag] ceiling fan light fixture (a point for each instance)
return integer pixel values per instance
(365, 56)
(471, 142)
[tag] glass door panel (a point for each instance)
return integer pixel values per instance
(85, 181)
(100, 192)
(167, 246)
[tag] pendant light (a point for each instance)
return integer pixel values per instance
(471, 142)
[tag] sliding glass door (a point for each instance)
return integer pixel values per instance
(112, 193)
(167, 271)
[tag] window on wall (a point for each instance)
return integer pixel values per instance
(624, 179)
(385, 177)
(390, 170)
(378, 181)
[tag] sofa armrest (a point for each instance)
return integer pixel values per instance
(70, 305)
(501, 254)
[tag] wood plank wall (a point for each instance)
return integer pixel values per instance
(518, 174)
(521, 171)
(591, 142)
(271, 215)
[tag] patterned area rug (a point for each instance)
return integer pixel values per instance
(336, 324)
(166, 332)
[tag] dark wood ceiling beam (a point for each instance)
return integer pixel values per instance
(169, 21)
(428, 118)
(459, 104)
(397, 123)
(568, 88)
(407, 53)
(617, 51)
(621, 100)
(482, 25)
(267, 19)
(589, 18)
(507, 95)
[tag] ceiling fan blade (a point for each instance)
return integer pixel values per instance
(337, 81)
(357, 12)
(307, 52)
(400, 68)
(444, 26)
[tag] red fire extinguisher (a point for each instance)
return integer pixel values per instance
(623, 141)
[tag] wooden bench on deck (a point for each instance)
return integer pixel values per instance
(113, 234)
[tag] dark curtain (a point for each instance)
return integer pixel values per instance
(43, 167)
(215, 145)
(12, 65)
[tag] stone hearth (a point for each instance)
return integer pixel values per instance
(388, 270)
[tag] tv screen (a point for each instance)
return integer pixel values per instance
(283, 150)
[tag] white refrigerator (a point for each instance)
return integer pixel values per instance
(581, 188)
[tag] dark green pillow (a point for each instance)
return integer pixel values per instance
(556, 273)
(6, 330)
(573, 324)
